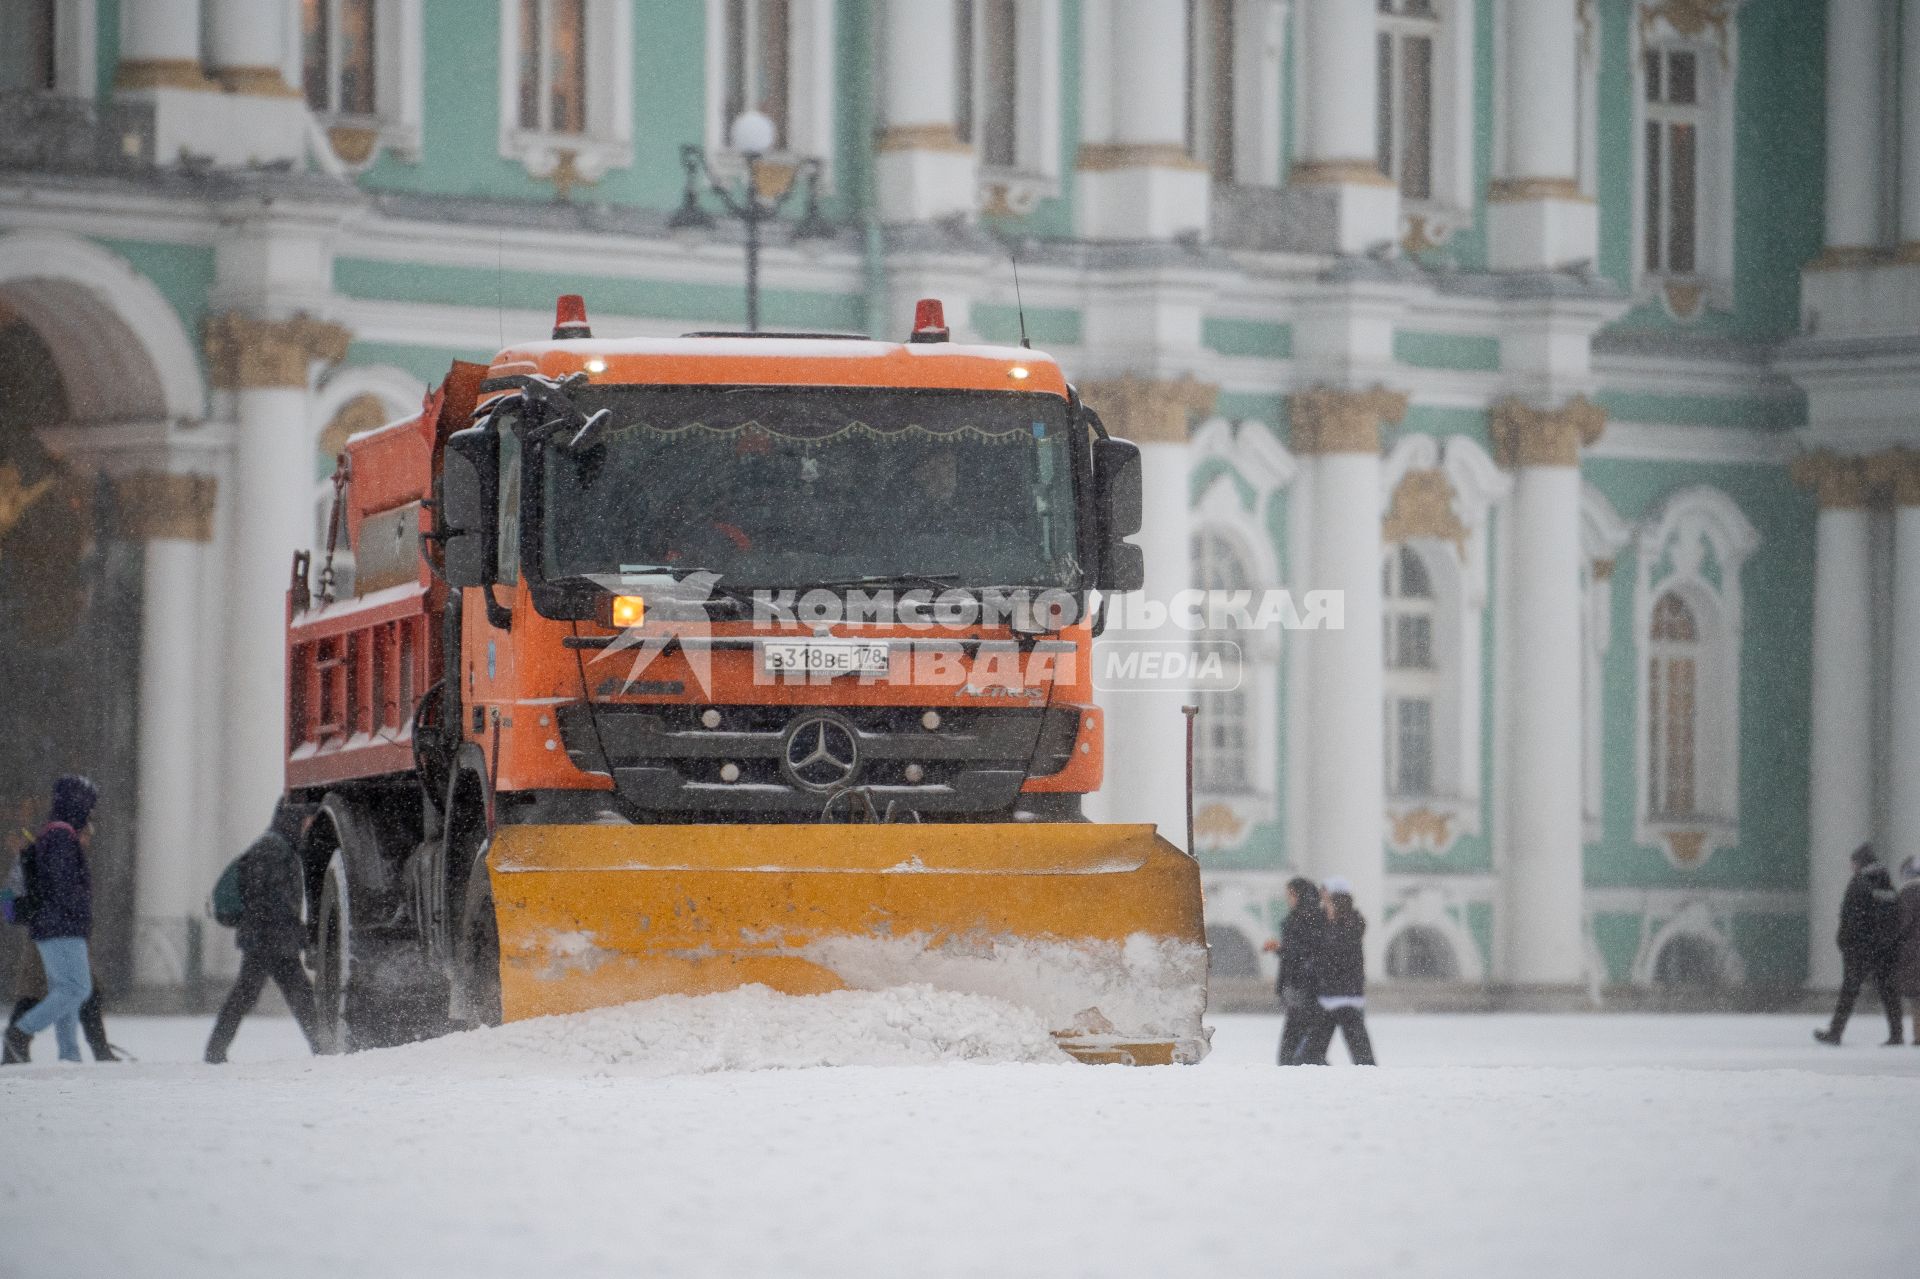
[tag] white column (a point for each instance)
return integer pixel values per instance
(267, 365)
(1136, 180)
(1146, 733)
(160, 45)
(169, 885)
(1345, 764)
(1910, 129)
(1543, 882)
(272, 496)
(246, 45)
(1855, 119)
(1338, 165)
(923, 170)
(1840, 745)
(1537, 217)
(1903, 812)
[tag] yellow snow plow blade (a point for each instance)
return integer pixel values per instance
(1096, 928)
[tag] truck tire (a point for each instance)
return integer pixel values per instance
(477, 951)
(369, 991)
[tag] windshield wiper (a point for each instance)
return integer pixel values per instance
(932, 580)
(680, 573)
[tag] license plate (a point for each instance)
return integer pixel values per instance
(823, 657)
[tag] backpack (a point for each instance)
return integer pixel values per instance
(229, 906)
(16, 897)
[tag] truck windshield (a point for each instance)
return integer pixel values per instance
(788, 487)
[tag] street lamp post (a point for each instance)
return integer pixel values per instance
(752, 135)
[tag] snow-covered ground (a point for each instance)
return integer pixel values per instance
(642, 1141)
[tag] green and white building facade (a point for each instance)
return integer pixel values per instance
(1575, 341)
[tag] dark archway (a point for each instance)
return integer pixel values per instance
(1687, 962)
(70, 594)
(1421, 954)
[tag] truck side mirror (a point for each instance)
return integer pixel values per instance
(1117, 495)
(469, 483)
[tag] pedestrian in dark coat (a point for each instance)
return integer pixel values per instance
(1906, 968)
(1343, 981)
(1299, 982)
(60, 890)
(1867, 940)
(270, 934)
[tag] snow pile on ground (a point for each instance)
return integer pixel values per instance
(435, 1161)
(752, 1028)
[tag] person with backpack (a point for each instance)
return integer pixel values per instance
(55, 901)
(268, 931)
(1867, 939)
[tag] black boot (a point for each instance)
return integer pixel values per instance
(19, 1047)
(1828, 1037)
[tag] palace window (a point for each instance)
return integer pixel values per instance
(775, 57)
(1687, 610)
(553, 66)
(1670, 240)
(988, 80)
(1683, 130)
(759, 50)
(1408, 50)
(566, 86)
(27, 45)
(1412, 672)
(1673, 666)
(1211, 67)
(1222, 732)
(337, 43)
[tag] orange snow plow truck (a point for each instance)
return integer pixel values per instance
(667, 666)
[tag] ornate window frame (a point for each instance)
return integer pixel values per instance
(1602, 535)
(607, 142)
(1707, 29)
(1438, 497)
(1234, 507)
(1452, 203)
(1441, 912)
(1695, 921)
(811, 101)
(1695, 543)
(399, 91)
(1035, 172)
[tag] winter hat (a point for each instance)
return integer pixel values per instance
(73, 800)
(1863, 856)
(1338, 884)
(286, 821)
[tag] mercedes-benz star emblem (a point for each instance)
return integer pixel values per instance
(822, 754)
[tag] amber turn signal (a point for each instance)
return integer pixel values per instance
(629, 610)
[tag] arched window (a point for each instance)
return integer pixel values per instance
(1412, 672)
(1673, 677)
(1421, 954)
(1687, 628)
(1220, 749)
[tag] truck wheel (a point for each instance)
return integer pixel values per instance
(477, 957)
(368, 992)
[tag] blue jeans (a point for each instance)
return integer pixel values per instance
(69, 982)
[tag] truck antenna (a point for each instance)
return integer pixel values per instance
(1019, 306)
